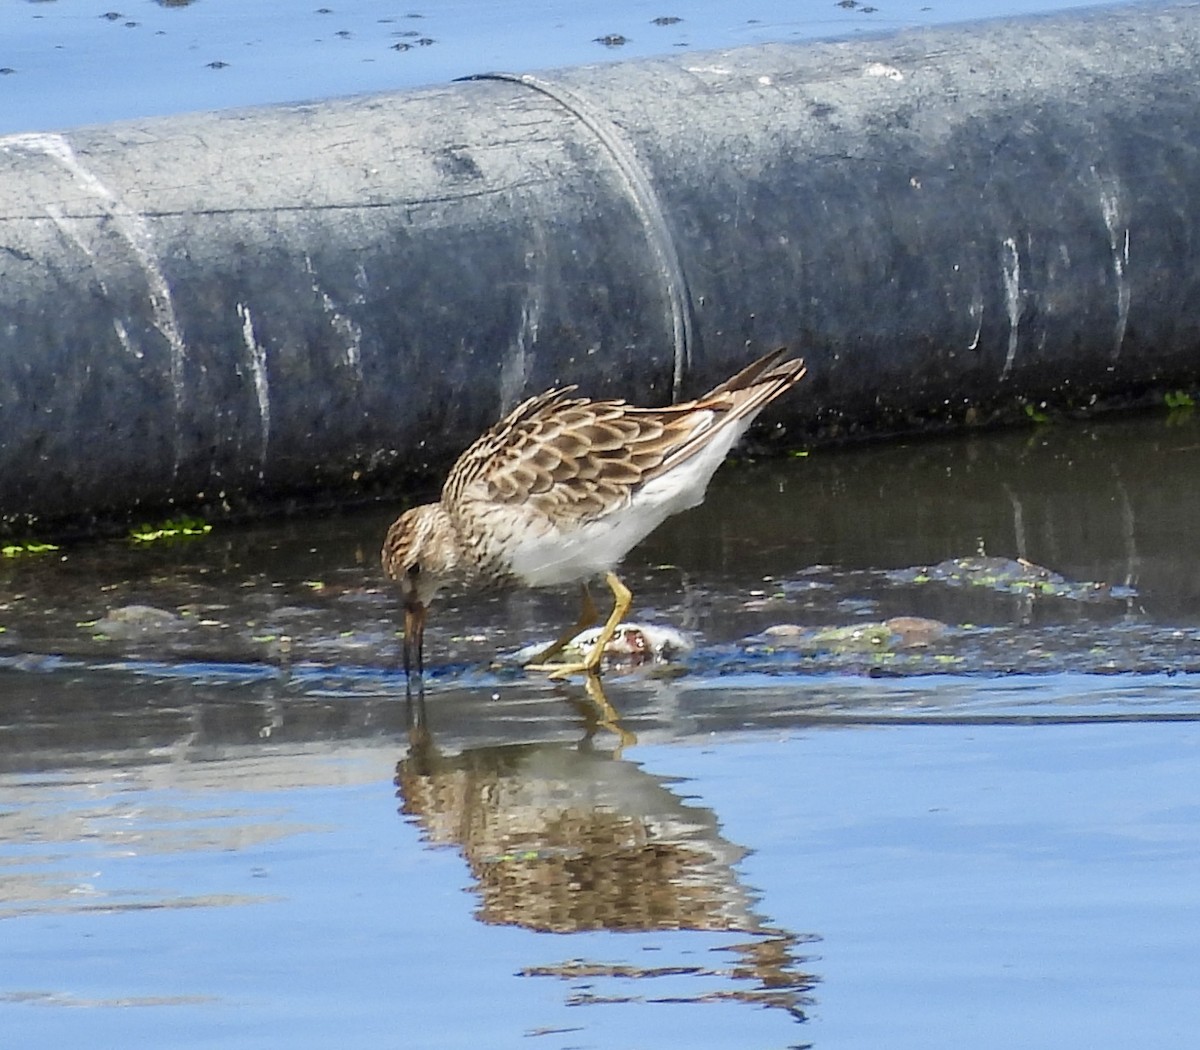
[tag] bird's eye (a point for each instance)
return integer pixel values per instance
(414, 570)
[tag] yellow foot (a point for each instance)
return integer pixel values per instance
(590, 664)
(587, 617)
(557, 672)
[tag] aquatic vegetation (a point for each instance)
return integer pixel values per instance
(18, 550)
(173, 529)
(1180, 406)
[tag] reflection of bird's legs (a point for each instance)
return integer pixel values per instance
(587, 617)
(622, 599)
(609, 718)
(421, 750)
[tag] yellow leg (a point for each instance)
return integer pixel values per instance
(587, 617)
(622, 599)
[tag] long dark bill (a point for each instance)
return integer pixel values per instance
(414, 638)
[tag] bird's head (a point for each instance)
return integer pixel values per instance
(420, 554)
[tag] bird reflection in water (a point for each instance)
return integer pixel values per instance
(567, 838)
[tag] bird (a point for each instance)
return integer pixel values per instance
(560, 490)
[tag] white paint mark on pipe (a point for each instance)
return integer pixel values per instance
(1118, 241)
(1124, 293)
(347, 330)
(123, 338)
(1011, 267)
(976, 311)
(70, 229)
(257, 354)
(515, 371)
(135, 231)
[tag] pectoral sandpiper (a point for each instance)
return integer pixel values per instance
(561, 489)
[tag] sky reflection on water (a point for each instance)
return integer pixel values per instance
(946, 885)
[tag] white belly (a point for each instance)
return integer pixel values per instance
(564, 555)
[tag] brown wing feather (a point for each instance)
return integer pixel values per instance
(567, 458)
(573, 459)
(492, 442)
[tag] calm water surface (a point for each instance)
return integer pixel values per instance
(914, 886)
(87, 61)
(223, 823)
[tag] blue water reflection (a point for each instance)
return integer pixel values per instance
(975, 883)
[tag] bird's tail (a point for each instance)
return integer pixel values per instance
(768, 368)
(739, 399)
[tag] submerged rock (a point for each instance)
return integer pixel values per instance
(138, 621)
(900, 632)
(1008, 576)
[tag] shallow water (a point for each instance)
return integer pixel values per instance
(222, 822)
(1061, 547)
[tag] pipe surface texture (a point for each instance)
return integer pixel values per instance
(260, 305)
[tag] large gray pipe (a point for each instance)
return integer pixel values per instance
(257, 305)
